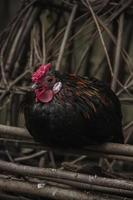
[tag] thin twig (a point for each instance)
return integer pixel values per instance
(13, 83)
(128, 125)
(3, 70)
(43, 40)
(101, 37)
(35, 155)
(117, 55)
(62, 48)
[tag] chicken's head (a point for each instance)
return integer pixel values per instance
(45, 84)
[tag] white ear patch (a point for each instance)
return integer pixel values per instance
(57, 87)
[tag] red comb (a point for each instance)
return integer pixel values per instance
(43, 69)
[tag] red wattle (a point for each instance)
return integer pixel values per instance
(44, 96)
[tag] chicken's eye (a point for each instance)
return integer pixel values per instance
(50, 80)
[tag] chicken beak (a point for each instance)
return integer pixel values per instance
(34, 86)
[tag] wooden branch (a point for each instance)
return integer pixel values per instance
(76, 152)
(113, 148)
(122, 9)
(14, 132)
(42, 190)
(101, 37)
(13, 83)
(20, 37)
(65, 175)
(118, 51)
(65, 37)
(35, 155)
(90, 187)
(42, 18)
(12, 197)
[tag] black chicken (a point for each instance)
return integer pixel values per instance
(71, 111)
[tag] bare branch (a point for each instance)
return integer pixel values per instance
(66, 37)
(74, 179)
(101, 37)
(42, 190)
(118, 50)
(43, 39)
(35, 155)
(14, 132)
